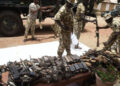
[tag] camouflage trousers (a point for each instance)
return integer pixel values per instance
(30, 25)
(114, 37)
(77, 28)
(64, 43)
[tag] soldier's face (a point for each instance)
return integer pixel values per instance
(69, 5)
(36, 1)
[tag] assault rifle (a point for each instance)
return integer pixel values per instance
(35, 68)
(14, 74)
(47, 71)
(97, 32)
(79, 65)
(56, 69)
(26, 73)
(67, 69)
(14, 71)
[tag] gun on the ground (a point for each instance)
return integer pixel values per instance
(56, 69)
(35, 68)
(14, 74)
(47, 75)
(26, 73)
(67, 69)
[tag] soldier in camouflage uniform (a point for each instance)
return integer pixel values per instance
(32, 16)
(78, 21)
(64, 18)
(114, 23)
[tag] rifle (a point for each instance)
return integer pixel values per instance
(26, 72)
(14, 71)
(35, 68)
(67, 69)
(97, 32)
(47, 72)
(56, 69)
(14, 75)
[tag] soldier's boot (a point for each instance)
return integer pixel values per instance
(25, 38)
(34, 38)
(60, 55)
(69, 54)
(77, 46)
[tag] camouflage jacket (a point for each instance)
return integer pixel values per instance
(80, 10)
(66, 17)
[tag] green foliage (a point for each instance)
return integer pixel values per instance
(108, 74)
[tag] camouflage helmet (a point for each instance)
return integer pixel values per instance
(71, 1)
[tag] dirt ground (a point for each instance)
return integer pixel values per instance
(88, 37)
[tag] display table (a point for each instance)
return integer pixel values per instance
(79, 78)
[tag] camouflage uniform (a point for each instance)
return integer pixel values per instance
(31, 21)
(115, 35)
(66, 17)
(77, 20)
(56, 30)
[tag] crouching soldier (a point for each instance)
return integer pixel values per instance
(114, 23)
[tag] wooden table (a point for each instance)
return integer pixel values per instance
(79, 78)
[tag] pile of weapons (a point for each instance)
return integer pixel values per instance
(46, 69)
(93, 58)
(50, 69)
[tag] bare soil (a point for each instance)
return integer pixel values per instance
(47, 35)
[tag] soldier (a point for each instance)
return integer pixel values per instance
(33, 11)
(78, 21)
(64, 18)
(114, 23)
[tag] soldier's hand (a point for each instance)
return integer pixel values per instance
(65, 27)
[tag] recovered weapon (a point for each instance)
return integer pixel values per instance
(97, 32)
(14, 74)
(67, 69)
(47, 74)
(26, 72)
(35, 68)
(56, 68)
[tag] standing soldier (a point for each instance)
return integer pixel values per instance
(32, 16)
(64, 18)
(78, 21)
(114, 23)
